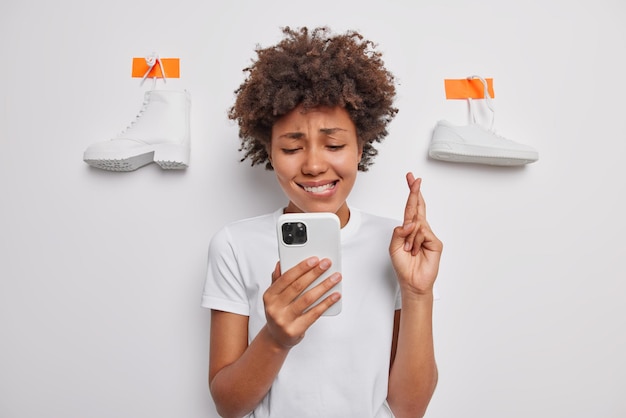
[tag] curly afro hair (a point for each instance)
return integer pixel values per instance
(314, 68)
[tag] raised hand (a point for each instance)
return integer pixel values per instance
(414, 249)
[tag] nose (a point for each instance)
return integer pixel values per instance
(315, 162)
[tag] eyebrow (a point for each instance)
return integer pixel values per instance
(299, 135)
(330, 131)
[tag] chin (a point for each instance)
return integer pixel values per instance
(323, 208)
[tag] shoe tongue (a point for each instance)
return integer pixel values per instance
(154, 96)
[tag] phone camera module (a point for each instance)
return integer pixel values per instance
(294, 233)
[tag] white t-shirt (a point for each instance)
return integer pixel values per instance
(341, 367)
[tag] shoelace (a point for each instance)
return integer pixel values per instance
(144, 106)
(153, 60)
(488, 101)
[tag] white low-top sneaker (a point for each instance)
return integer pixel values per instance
(475, 143)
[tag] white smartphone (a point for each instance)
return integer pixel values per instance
(303, 235)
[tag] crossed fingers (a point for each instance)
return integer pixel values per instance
(414, 215)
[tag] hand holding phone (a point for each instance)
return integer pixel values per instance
(303, 235)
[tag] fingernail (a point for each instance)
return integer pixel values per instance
(312, 261)
(407, 246)
(335, 277)
(324, 264)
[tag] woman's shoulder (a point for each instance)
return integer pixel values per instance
(377, 221)
(365, 223)
(251, 227)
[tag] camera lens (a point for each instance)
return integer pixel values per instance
(294, 233)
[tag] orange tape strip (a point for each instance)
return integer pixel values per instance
(467, 88)
(171, 66)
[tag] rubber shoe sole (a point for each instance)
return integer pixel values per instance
(167, 156)
(478, 155)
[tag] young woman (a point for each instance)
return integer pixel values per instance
(311, 109)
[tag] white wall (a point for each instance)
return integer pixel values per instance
(101, 273)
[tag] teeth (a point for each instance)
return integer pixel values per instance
(319, 189)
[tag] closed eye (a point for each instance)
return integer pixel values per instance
(289, 151)
(336, 147)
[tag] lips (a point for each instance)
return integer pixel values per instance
(321, 188)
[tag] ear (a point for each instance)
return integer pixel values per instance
(360, 151)
(268, 151)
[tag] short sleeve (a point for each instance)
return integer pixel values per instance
(224, 289)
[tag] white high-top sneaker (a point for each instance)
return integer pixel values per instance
(474, 143)
(159, 133)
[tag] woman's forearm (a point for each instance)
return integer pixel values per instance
(239, 387)
(413, 375)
